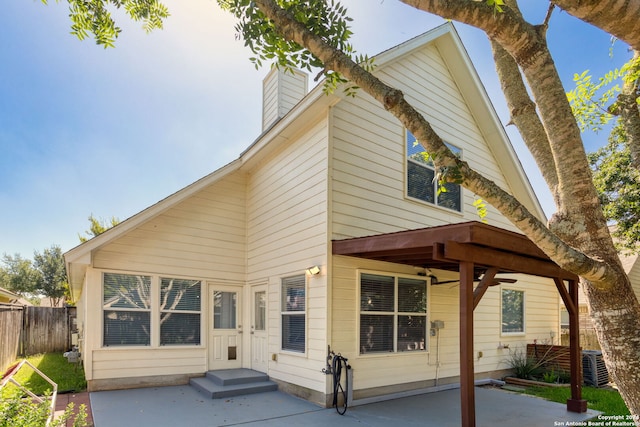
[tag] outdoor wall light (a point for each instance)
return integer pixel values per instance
(312, 271)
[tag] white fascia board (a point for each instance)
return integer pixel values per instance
(408, 46)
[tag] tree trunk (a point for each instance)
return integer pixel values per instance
(616, 318)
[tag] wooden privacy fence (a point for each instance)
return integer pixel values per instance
(34, 330)
(10, 329)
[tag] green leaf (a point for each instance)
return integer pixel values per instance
(481, 209)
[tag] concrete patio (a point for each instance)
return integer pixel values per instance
(184, 406)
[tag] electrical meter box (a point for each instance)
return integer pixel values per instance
(437, 324)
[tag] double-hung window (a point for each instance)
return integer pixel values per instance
(422, 183)
(293, 314)
(180, 311)
(512, 311)
(126, 307)
(393, 314)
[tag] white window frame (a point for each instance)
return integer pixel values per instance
(524, 312)
(395, 314)
(299, 313)
(154, 311)
(431, 168)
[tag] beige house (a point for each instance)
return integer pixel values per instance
(238, 269)
(8, 297)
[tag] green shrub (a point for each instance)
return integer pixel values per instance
(523, 366)
(16, 411)
(550, 376)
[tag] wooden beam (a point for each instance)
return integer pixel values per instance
(467, 391)
(564, 294)
(504, 260)
(575, 403)
(487, 280)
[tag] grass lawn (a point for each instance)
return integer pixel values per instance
(68, 376)
(606, 401)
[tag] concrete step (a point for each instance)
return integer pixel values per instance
(221, 384)
(236, 376)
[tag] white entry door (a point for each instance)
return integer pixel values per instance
(225, 327)
(259, 347)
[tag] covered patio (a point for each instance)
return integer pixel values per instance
(479, 252)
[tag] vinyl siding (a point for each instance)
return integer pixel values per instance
(204, 236)
(148, 362)
(287, 233)
(369, 153)
(377, 370)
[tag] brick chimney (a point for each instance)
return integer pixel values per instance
(281, 91)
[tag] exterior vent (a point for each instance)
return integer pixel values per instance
(593, 368)
(281, 91)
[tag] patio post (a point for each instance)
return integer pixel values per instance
(467, 377)
(575, 403)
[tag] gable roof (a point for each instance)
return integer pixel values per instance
(10, 298)
(315, 103)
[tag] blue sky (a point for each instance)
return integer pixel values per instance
(84, 130)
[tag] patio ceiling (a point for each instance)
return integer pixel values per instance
(444, 247)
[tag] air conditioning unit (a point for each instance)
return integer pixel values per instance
(594, 370)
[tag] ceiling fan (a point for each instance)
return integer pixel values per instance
(494, 281)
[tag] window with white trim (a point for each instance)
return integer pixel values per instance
(393, 314)
(512, 318)
(180, 302)
(293, 314)
(126, 307)
(421, 178)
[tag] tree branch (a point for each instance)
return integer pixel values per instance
(545, 24)
(627, 109)
(523, 109)
(579, 220)
(618, 18)
(393, 100)
(524, 115)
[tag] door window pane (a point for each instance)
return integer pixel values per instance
(224, 310)
(260, 310)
